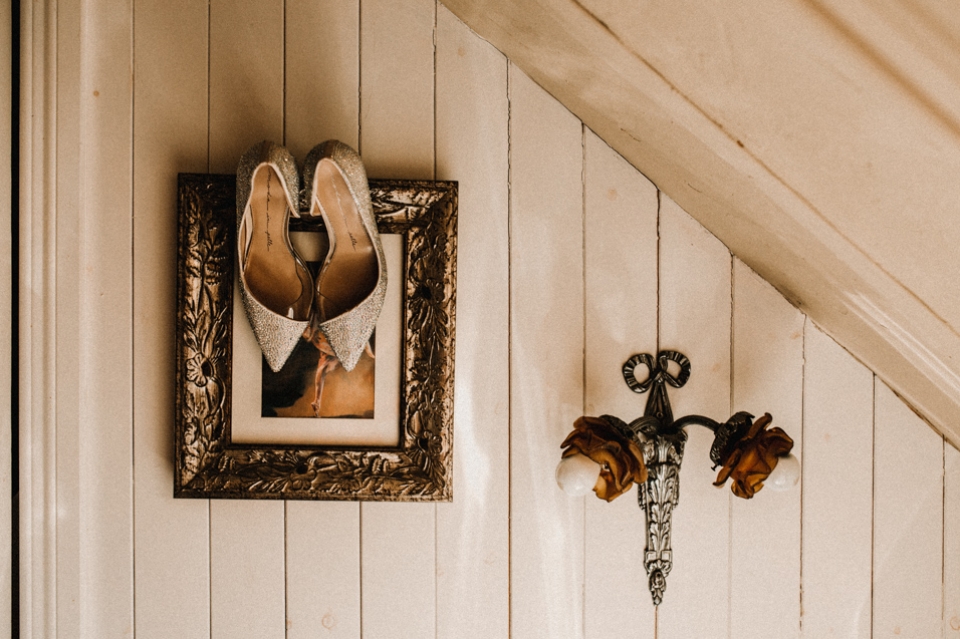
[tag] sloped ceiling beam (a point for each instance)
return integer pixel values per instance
(822, 148)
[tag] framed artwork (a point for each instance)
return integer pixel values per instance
(383, 431)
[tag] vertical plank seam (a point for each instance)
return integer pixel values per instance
(656, 609)
(360, 562)
(435, 36)
(209, 36)
(731, 399)
(210, 551)
(360, 79)
(283, 141)
(133, 323)
(360, 151)
(209, 503)
(583, 356)
(803, 421)
(436, 536)
(48, 240)
(509, 349)
(659, 273)
(943, 537)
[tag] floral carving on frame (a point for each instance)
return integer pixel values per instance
(208, 464)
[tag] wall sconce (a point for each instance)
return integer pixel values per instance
(607, 455)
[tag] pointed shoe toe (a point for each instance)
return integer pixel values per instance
(275, 286)
(352, 281)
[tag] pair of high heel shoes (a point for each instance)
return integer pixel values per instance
(278, 292)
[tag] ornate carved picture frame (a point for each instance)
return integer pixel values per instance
(209, 465)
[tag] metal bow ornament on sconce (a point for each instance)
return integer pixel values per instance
(607, 455)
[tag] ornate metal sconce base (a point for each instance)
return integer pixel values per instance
(649, 451)
(662, 447)
(658, 496)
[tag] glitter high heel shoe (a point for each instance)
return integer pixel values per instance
(275, 285)
(353, 279)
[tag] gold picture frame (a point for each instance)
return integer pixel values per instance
(209, 465)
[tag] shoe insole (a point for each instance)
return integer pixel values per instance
(271, 273)
(349, 273)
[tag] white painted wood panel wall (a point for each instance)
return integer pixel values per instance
(569, 262)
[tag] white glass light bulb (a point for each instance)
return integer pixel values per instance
(785, 476)
(577, 475)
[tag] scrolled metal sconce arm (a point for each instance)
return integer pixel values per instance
(747, 452)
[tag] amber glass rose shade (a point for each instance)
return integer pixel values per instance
(750, 461)
(619, 457)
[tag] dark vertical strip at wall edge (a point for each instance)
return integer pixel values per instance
(14, 315)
